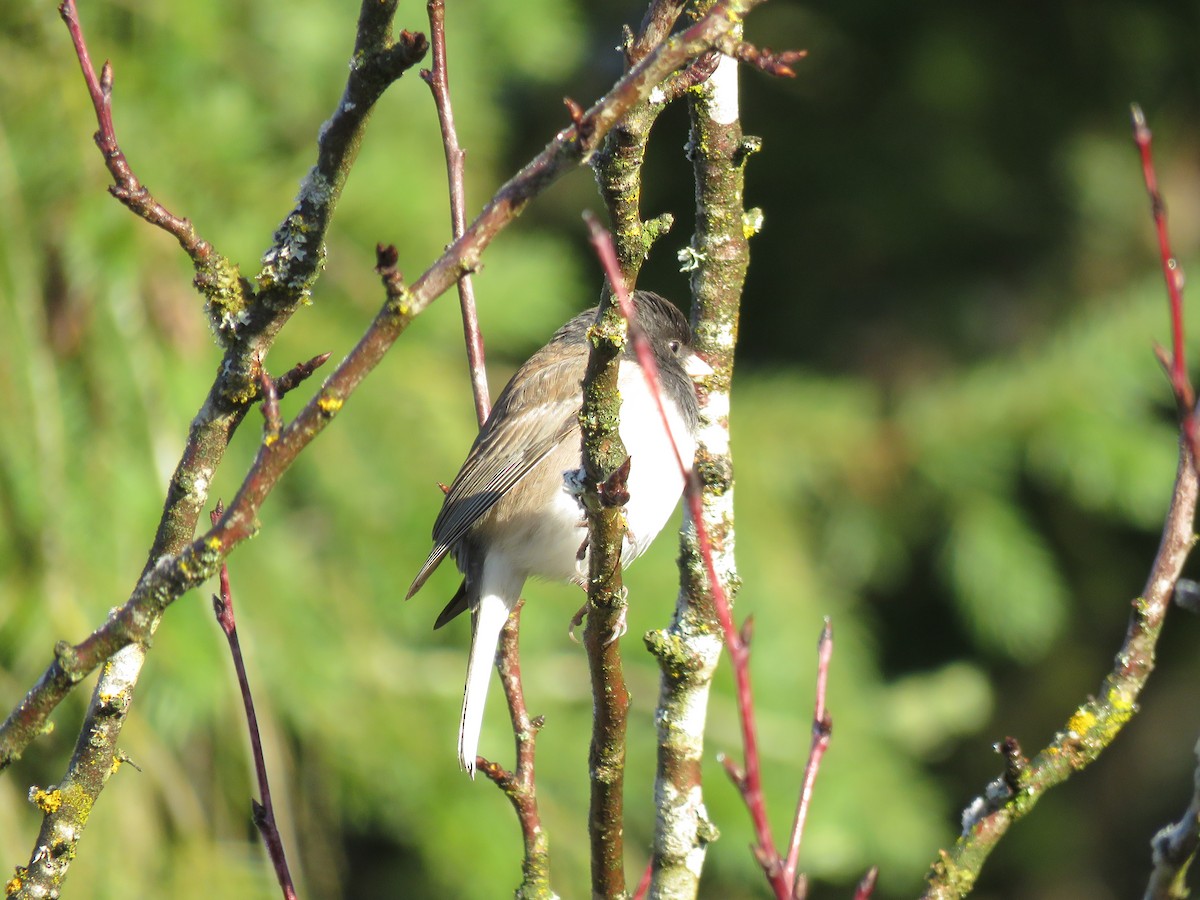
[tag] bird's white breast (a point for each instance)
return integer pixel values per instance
(548, 542)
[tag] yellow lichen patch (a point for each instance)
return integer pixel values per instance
(14, 884)
(46, 801)
(116, 764)
(329, 404)
(1082, 722)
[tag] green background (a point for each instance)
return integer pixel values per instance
(949, 429)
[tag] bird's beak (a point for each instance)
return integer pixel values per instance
(695, 367)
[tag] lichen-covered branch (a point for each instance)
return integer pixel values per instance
(1093, 725)
(618, 164)
(689, 648)
(605, 464)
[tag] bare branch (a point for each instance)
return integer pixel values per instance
(1097, 721)
(765, 59)
(604, 455)
(1094, 724)
(688, 650)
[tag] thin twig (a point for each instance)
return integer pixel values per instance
(126, 186)
(299, 373)
(438, 79)
(822, 728)
(866, 885)
(643, 886)
(1175, 366)
(263, 813)
(765, 59)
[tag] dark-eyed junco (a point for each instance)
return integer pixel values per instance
(512, 511)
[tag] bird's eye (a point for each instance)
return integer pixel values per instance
(674, 345)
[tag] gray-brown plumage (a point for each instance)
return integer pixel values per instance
(511, 512)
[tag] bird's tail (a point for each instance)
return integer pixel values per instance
(487, 619)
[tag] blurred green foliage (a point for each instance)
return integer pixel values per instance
(950, 435)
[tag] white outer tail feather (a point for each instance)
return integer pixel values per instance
(487, 620)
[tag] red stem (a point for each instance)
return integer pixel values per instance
(1176, 366)
(822, 728)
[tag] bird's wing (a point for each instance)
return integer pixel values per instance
(536, 412)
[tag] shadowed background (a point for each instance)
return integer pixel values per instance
(950, 435)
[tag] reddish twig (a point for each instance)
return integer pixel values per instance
(126, 186)
(866, 886)
(765, 59)
(262, 813)
(1176, 365)
(643, 886)
(438, 79)
(822, 728)
(602, 242)
(270, 407)
(299, 373)
(749, 779)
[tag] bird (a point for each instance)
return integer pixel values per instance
(513, 512)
